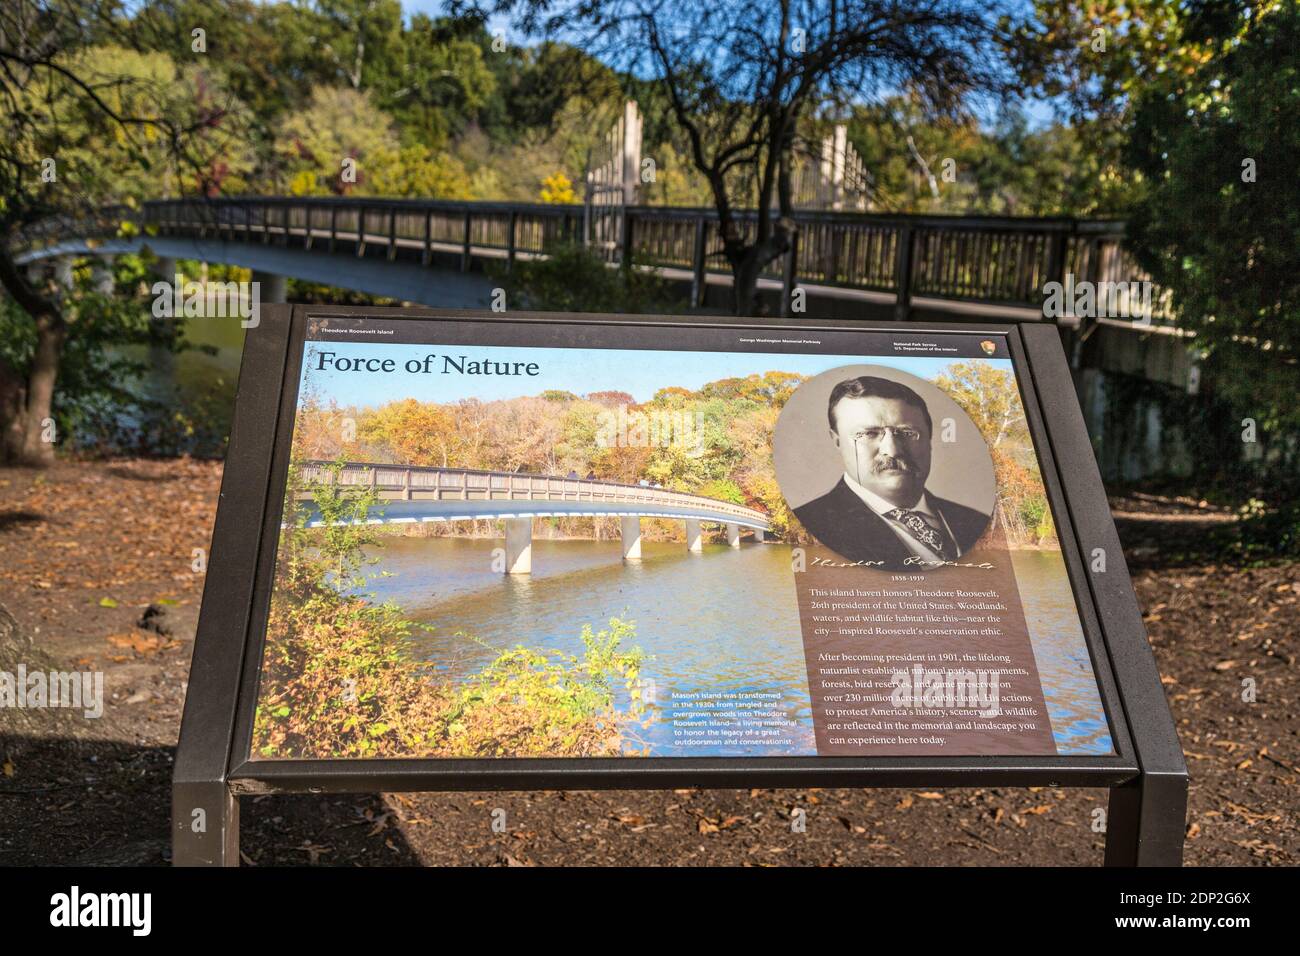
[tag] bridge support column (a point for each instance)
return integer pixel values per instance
(630, 529)
(275, 288)
(694, 538)
(758, 534)
(733, 534)
(63, 271)
(519, 545)
(102, 275)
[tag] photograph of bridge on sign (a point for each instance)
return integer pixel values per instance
(421, 494)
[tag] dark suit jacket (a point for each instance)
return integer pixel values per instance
(842, 521)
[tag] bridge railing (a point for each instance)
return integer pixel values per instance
(462, 483)
(392, 225)
(981, 259)
(985, 259)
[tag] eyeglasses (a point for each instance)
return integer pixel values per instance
(900, 433)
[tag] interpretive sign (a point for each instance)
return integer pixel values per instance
(465, 550)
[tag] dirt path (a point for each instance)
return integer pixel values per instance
(86, 547)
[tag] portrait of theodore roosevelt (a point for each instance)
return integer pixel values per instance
(880, 510)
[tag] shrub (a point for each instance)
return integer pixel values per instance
(573, 278)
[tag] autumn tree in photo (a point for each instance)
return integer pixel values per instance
(991, 398)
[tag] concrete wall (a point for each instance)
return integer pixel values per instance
(1146, 409)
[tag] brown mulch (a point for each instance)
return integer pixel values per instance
(86, 546)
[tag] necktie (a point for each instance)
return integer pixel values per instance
(919, 528)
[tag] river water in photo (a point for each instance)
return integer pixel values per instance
(724, 620)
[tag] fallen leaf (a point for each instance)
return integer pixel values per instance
(141, 642)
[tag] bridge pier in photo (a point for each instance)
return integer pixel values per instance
(758, 535)
(694, 536)
(630, 529)
(274, 288)
(733, 534)
(519, 545)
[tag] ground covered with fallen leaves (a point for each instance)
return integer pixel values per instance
(102, 567)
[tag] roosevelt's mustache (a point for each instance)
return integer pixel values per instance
(889, 462)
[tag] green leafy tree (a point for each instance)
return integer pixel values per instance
(417, 172)
(445, 81)
(740, 78)
(330, 145)
(85, 126)
(1220, 226)
(362, 39)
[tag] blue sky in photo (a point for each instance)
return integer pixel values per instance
(581, 371)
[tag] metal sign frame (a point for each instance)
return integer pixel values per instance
(1147, 775)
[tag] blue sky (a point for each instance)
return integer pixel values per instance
(580, 371)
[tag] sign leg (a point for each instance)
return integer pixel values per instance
(205, 825)
(1146, 820)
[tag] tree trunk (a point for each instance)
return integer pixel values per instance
(13, 400)
(26, 406)
(747, 263)
(745, 273)
(38, 433)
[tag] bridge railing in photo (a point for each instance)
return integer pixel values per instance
(997, 260)
(403, 482)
